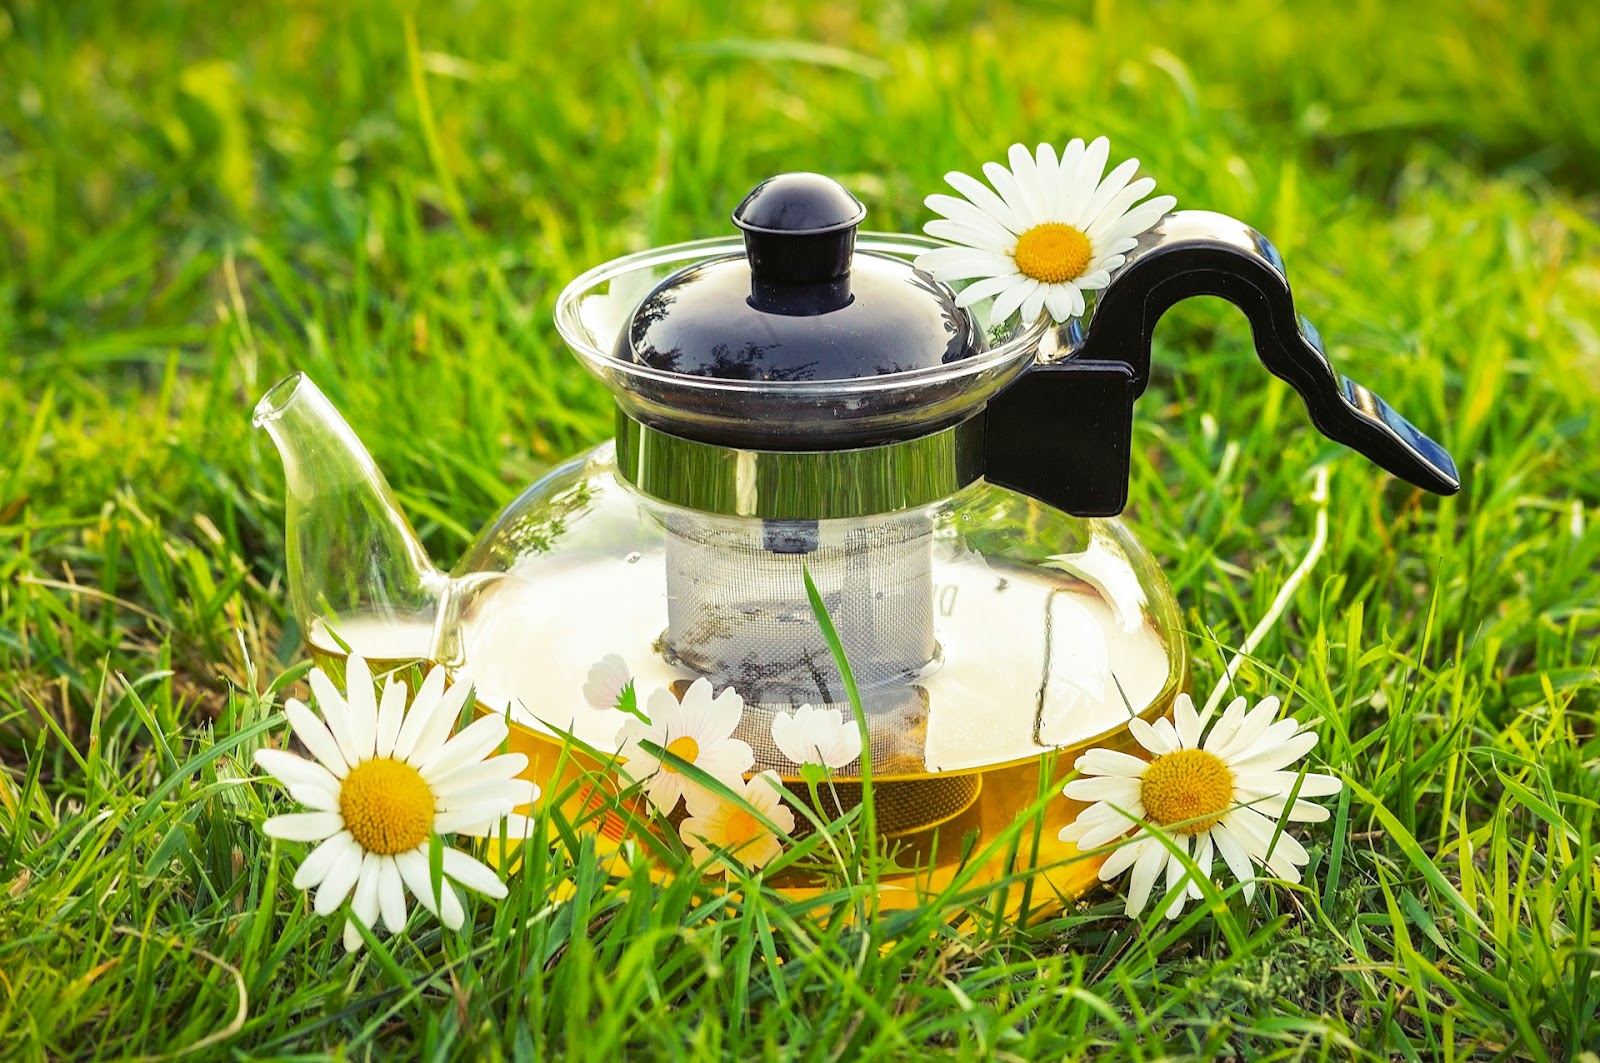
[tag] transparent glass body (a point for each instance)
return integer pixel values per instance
(992, 638)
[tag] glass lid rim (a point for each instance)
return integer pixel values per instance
(576, 334)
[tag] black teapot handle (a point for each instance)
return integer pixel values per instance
(1062, 431)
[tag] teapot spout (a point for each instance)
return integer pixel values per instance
(358, 577)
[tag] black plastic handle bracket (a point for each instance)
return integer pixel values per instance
(1188, 253)
(1080, 461)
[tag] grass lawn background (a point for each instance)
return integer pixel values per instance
(197, 198)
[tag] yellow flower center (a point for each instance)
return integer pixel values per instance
(1191, 787)
(684, 747)
(1053, 253)
(742, 827)
(387, 806)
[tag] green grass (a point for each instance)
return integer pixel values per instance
(196, 198)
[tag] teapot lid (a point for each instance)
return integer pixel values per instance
(801, 304)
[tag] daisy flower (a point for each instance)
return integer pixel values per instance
(608, 681)
(817, 736)
(699, 729)
(384, 780)
(1223, 796)
(1050, 229)
(717, 824)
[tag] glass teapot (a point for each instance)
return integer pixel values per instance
(799, 399)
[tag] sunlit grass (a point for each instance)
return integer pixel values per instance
(195, 200)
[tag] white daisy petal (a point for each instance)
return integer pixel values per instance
(471, 744)
(1110, 762)
(1089, 171)
(1093, 281)
(1227, 726)
(391, 895)
(413, 868)
(437, 729)
(1112, 829)
(1114, 182)
(1135, 222)
(423, 707)
(1077, 301)
(981, 290)
(1167, 733)
(391, 713)
(336, 884)
(1256, 832)
(336, 715)
(363, 705)
(1203, 849)
(1314, 784)
(1124, 857)
(1048, 169)
(304, 826)
(1100, 814)
(514, 824)
(1302, 812)
(1059, 301)
(314, 735)
(1033, 305)
(1175, 874)
(607, 679)
(1006, 185)
(964, 213)
(1153, 738)
(450, 911)
(473, 874)
(983, 197)
(1273, 737)
(364, 904)
(1252, 727)
(316, 797)
(314, 868)
(1234, 855)
(505, 794)
(1071, 160)
(963, 263)
(1187, 721)
(292, 770)
(957, 233)
(502, 768)
(1010, 301)
(455, 820)
(1277, 757)
(1117, 789)
(1117, 208)
(1143, 879)
(1027, 179)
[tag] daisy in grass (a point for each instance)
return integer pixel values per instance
(1220, 796)
(718, 824)
(1050, 229)
(817, 736)
(699, 729)
(384, 780)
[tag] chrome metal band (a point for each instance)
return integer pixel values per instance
(799, 485)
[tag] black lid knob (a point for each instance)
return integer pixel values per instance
(799, 229)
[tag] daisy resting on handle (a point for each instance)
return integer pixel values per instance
(1049, 230)
(1223, 795)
